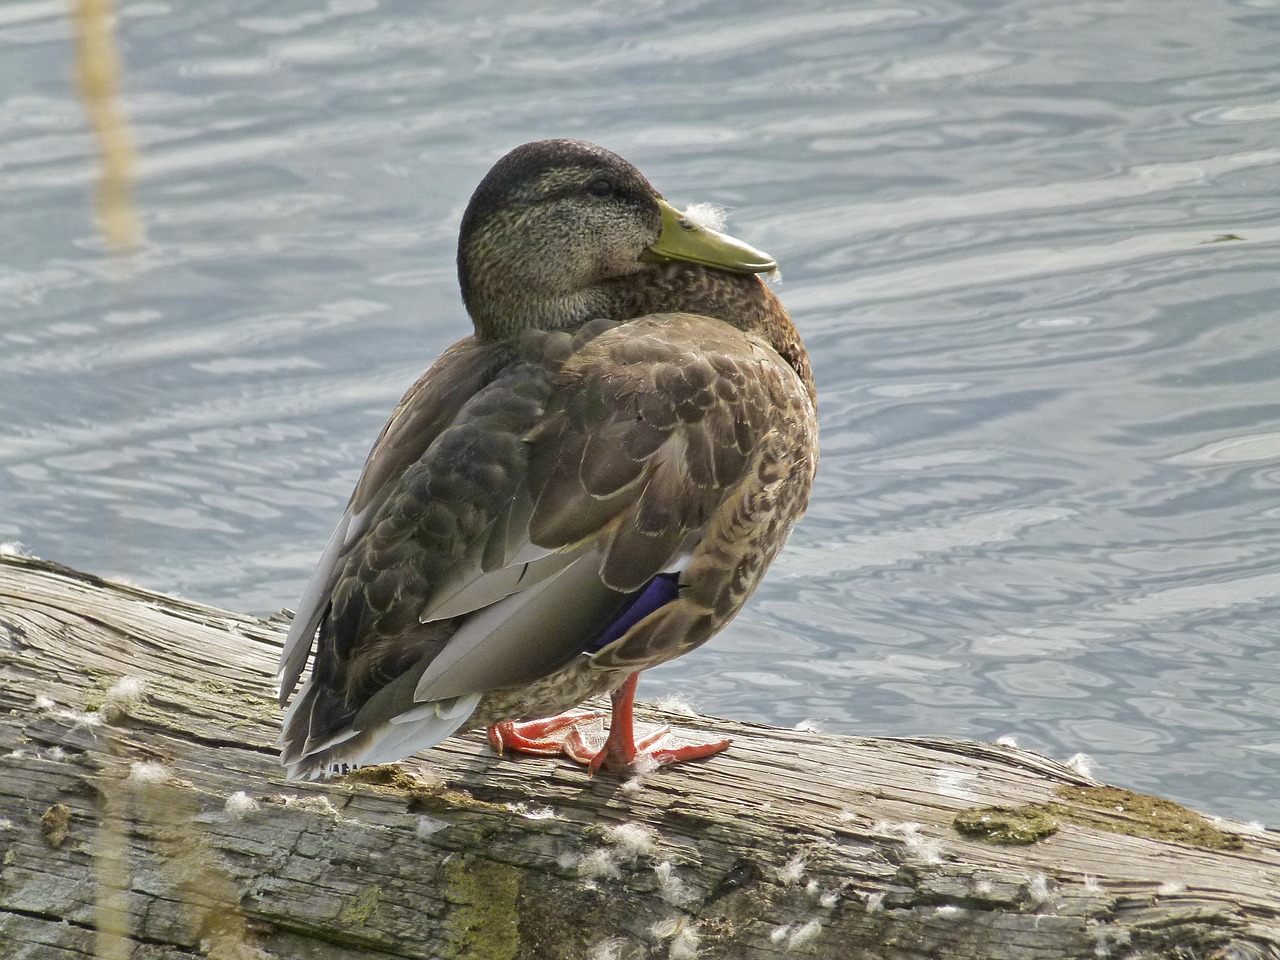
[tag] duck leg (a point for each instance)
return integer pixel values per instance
(578, 734)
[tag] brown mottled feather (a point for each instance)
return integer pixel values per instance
(605, 422)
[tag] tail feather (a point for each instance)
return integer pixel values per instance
(392, 743)
(348, 748)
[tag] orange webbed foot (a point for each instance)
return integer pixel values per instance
(580, 736)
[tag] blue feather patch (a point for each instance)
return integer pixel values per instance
(659, 591)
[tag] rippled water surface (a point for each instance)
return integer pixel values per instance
(1032, 245)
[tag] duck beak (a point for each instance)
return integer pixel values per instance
(682, 239)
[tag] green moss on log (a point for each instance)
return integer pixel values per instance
(1113, 809)
(361, 909)
(484, 923)
(1007, 825)
(1141, 815)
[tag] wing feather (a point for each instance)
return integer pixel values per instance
(650, 426)
(472, 591)
(422, 413)
(314, 602)
(525, 636)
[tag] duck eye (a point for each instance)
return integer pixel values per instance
(599, 187)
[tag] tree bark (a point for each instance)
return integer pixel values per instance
(143, 814)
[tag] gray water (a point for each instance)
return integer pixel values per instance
(1032, 246)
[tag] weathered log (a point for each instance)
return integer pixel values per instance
(143, 814)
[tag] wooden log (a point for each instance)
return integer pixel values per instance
(143, 814)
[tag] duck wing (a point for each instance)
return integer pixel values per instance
(425, 410)
(675, 444)
(508, 542)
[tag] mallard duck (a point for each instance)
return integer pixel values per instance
(590, 484)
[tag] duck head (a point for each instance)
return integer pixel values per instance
(557, 231)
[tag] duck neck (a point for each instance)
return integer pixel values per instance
(498, 318)
(740, 300)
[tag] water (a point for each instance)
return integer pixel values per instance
(1050, 401)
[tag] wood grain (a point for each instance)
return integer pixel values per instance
(182, 839)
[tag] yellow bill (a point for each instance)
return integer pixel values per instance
(682, 239)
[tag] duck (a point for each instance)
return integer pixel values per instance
(590, 484)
